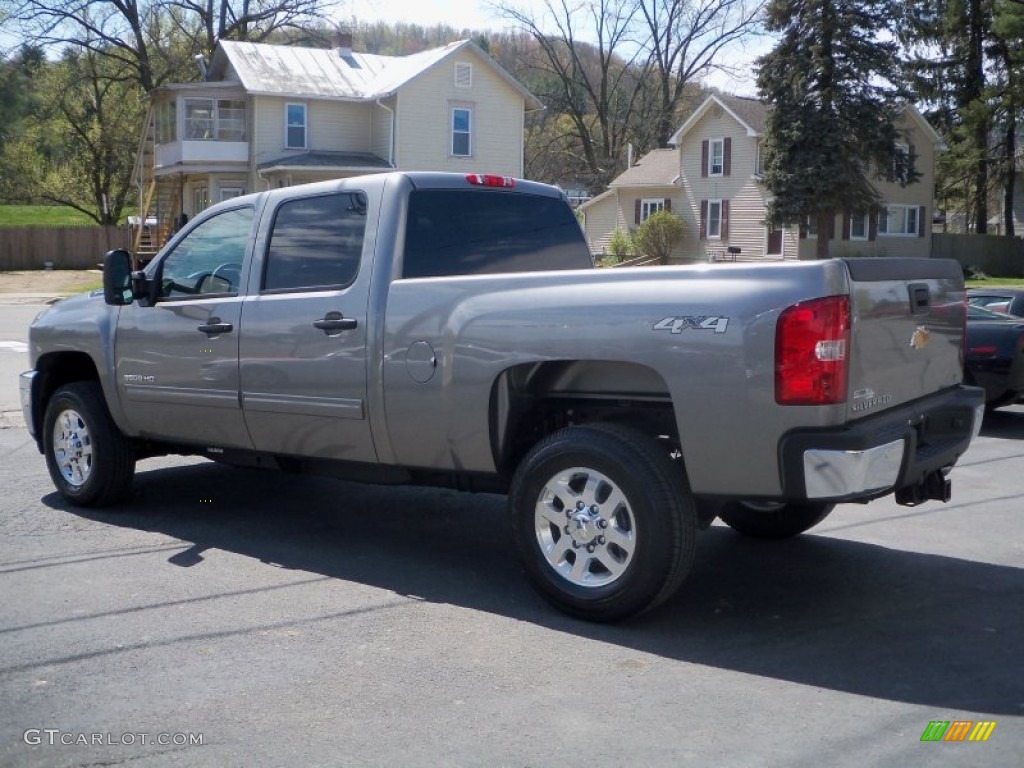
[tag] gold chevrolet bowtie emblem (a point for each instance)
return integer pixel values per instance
(920, 338)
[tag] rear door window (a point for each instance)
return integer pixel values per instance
(316, 243)
(472, 232)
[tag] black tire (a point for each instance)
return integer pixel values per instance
(648, 538)
(91, 463)
(773, 521)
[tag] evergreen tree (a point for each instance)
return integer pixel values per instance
(832, 120)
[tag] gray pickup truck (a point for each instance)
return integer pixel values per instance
(451, 329)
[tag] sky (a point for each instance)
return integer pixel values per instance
(478, 14)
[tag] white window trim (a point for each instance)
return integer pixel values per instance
(718, 202)
(758, 159)
(866, 219)
(451, 133)
(305, 124)
(905, 207)
(711, 156)
(650, 206)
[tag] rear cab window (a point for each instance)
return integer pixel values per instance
(472, 232)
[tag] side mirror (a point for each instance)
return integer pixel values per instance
(117, 274)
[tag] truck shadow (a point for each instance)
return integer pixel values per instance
(1006, 423)
(848, 616)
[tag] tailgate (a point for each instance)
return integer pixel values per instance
(908, 318)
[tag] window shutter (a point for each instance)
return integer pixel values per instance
(725, 219)
(921, 220)
(873, 226)
(803, 230)
(846, 226)
(668, 205)
(636, 212)
(726, 155)
(704, 159)
(703, 219)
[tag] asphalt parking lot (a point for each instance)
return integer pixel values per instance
(227, 617)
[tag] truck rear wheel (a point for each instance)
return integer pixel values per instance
(773, 521)
(604, 521)
(91, 463)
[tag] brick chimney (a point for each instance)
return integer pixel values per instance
(343, 43)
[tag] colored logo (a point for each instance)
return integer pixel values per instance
(958, 730)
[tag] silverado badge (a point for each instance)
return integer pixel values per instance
(920, 338)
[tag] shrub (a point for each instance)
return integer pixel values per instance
(621, 245)
(658, 235)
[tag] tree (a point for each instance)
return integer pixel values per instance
(658, 235)
(1008, 27)
(951, 42)
(587, 71)
(75, 151)
(134, 33)
(832, 124)
(684, 41)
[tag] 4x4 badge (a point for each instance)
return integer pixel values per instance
(920, 338)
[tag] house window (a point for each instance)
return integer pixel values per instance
(811, 226)
(200, 199)
(759, 159)
(650, 206)
(199, 120)
(166, 122)
(226, 193)
(295, 127)
(716, 157)
(896, 220)
(462, 126)
(463, 75)
(230, 120)
(212, 119)
(901, 164)
(714, 219)
(859, 226)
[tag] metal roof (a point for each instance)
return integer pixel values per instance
(284, 70)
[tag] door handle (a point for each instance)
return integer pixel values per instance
(335, 321)
(215, 327)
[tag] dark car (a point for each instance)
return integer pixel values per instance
(995, 355)
(1006, 301)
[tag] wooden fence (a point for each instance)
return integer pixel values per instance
(994, 255)
(62, 247)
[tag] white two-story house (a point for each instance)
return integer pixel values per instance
(711, 178)
(269, 116)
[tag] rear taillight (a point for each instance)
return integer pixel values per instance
(490, 180)
(812, 342)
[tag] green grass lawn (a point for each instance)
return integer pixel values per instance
(42, 216)
(994, 282)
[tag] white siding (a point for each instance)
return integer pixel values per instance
(423, 140)
(332, 126)
(380, 130)
(602, 217)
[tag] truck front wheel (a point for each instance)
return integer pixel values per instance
(91, 463)
(773, 520)
(604, 521)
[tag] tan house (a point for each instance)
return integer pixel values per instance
(711, 179)
(271, 116)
